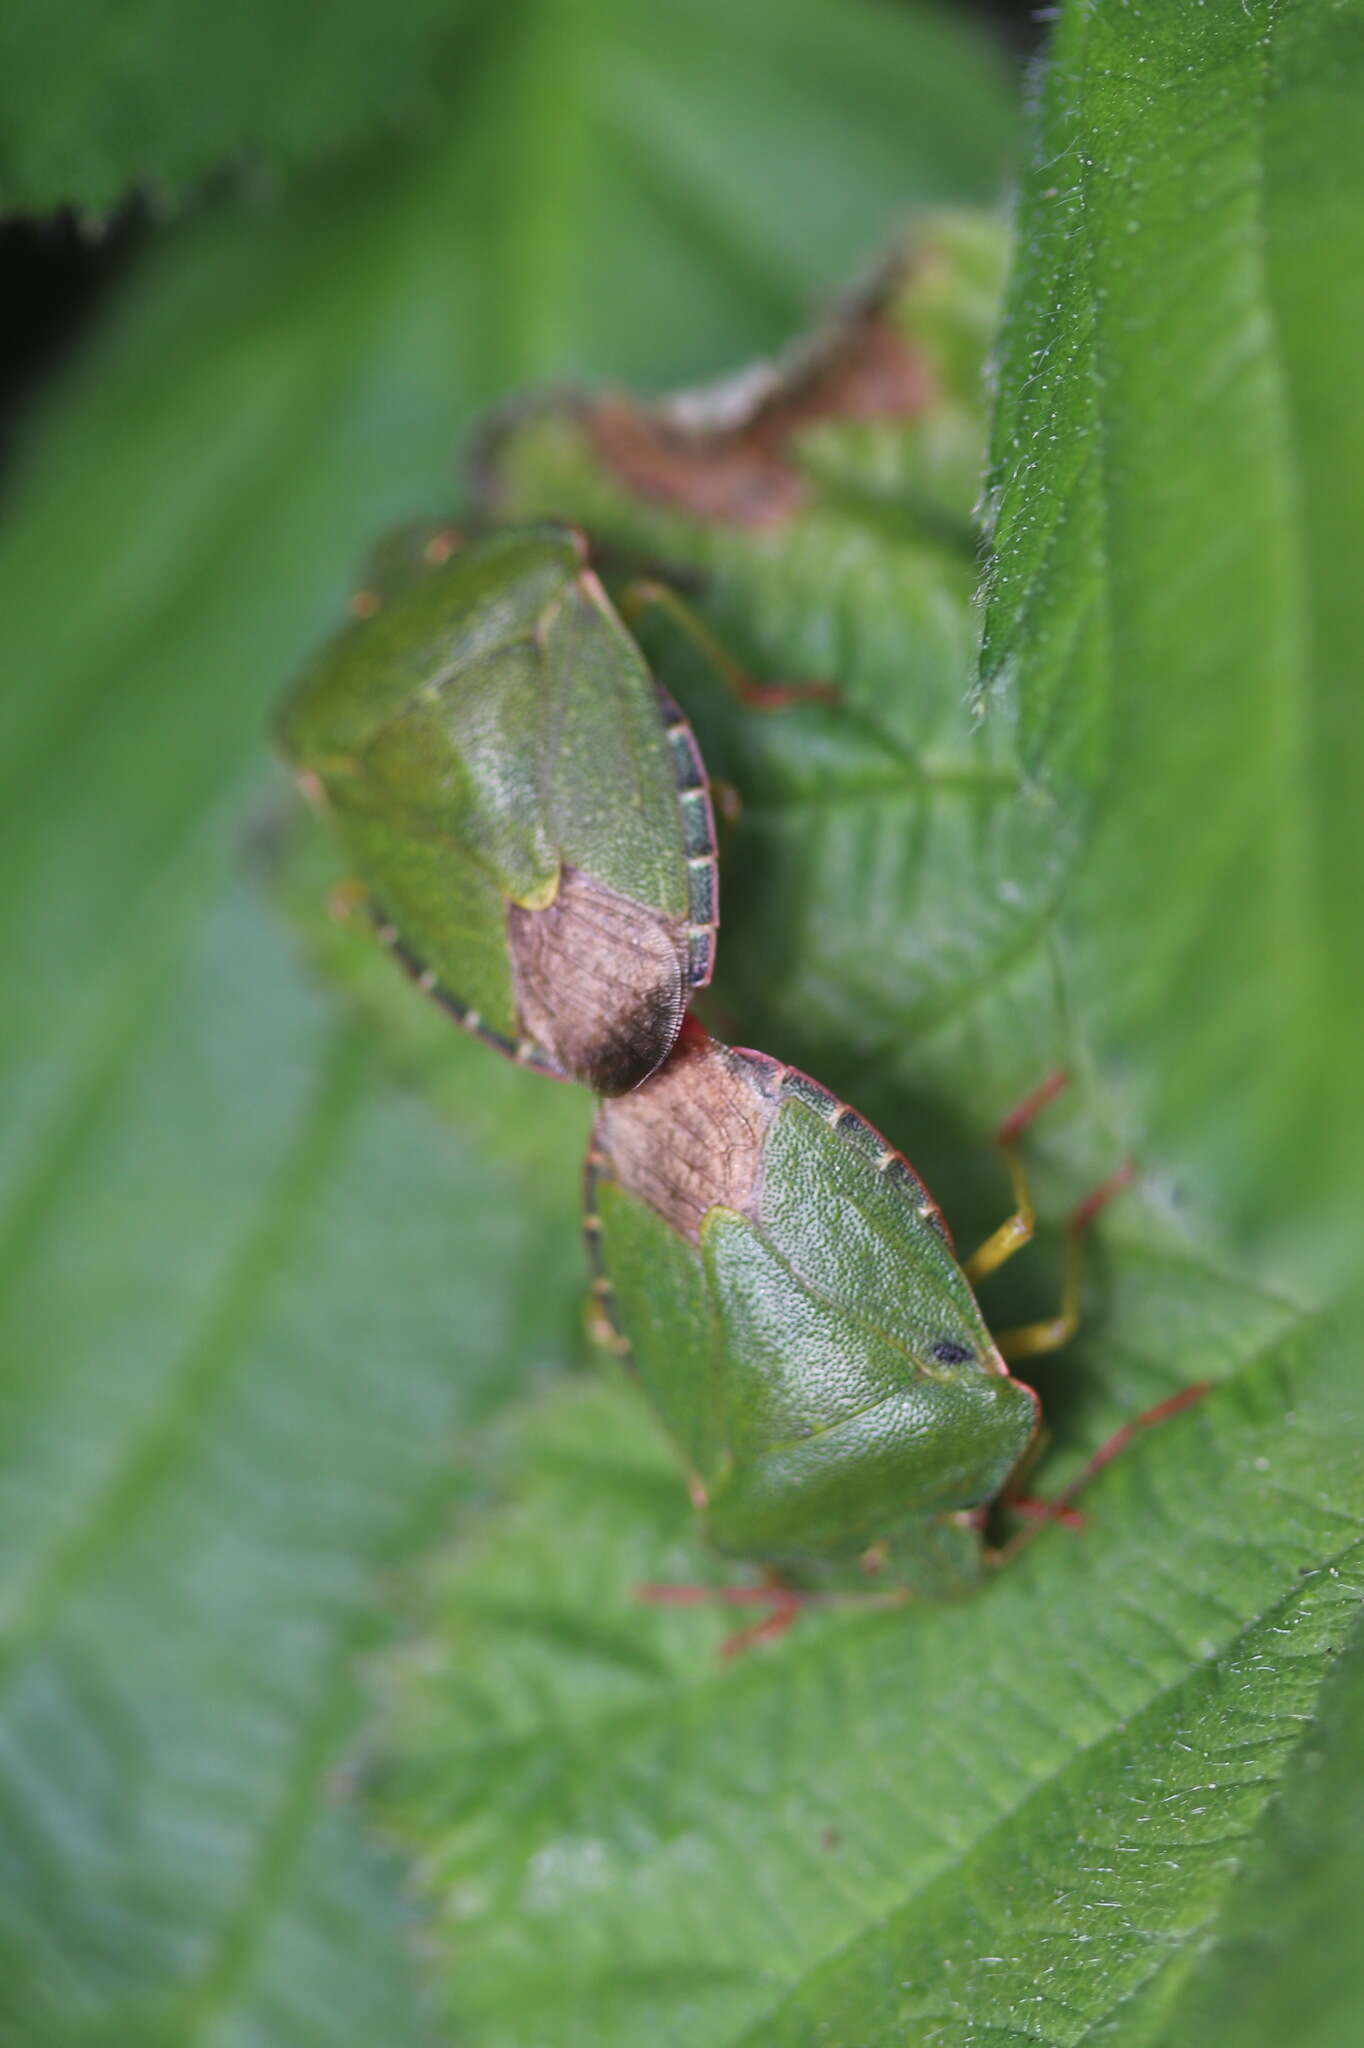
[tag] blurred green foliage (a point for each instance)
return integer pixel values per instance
(292, 1278)
(257, 1297)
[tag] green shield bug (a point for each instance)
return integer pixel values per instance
(789, 1297)
(525, 807)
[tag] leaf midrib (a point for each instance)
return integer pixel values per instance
(210, 1351)
(1300, 930)
(1041, 1788)
(1038, 1790)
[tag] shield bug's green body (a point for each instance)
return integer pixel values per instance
(793, 1306)
(524, 806)
(787, 1292)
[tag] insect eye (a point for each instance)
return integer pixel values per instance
(948, 1353)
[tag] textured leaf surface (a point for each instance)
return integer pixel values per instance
(1285, 1966)
(1069, 1811)
(254, 1297)
(1178, 449)
(1009, 1819)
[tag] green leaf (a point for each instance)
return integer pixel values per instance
(1173, 590)
(106, 96)
(1026, 1817)
(1285, 1966)
(257, 1297)
(721, 114)
(1003, 1819)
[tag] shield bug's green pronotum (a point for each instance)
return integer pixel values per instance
(525, 807)
(789, 1296)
